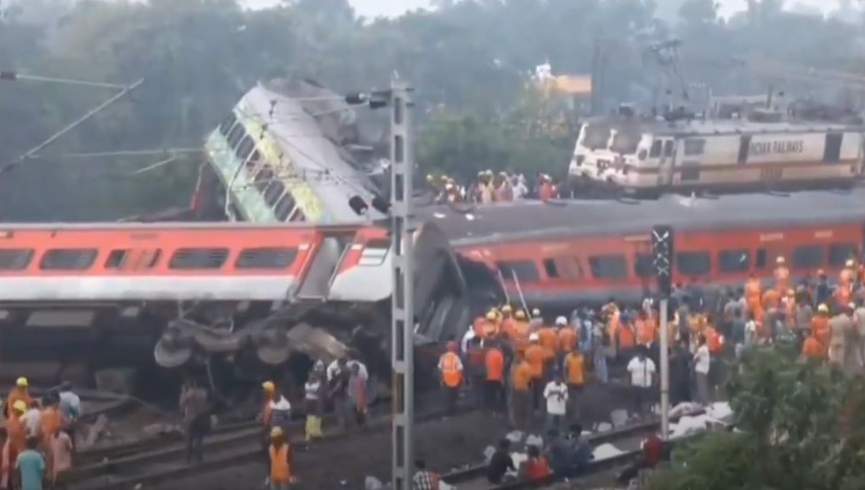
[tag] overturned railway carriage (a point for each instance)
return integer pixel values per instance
(104, 294)
(650, 157)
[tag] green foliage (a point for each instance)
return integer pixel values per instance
(801, 427)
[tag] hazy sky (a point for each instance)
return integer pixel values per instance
(374, 8)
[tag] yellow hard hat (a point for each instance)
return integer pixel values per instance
(823, 308)
(275, 432)
(491, 315)
(520, 314)
(268, 386)
(22, 382)
(19, 406)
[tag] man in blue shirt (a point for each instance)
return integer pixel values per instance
(31, 466)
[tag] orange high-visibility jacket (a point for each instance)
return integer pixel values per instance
(452, 369)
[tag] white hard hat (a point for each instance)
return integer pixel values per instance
(561, 321)
(850, 263)
(534, 337)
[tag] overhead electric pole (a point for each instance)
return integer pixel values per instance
(662, 246)
(402, 309)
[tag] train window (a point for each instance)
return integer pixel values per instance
(808, 257)
(832, 151)
(655, 152)
(525, 270)
(297, 216)
(253, 161)
(227, 123)
(374, 253)
(550, 267)
(66, 259)
(263, 178)
(668, 148)
(693, 264)
(235, 135)
(744, 148)
(273, 191)
(266, 258)
(140, 259)
(596, 136)
(694, 146)
(245, 148)
(116, 259)
(567, 268)
(15, 259)
(198, 258)
(283, 208)
(609, 266)
(760, 263)
(734, 260)
(644, 265)
(840, 253)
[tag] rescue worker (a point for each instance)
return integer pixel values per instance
(313, 391)
(16, 441)
(451, 368)
(626, 338)
(846, 278)
(277, 409)
(645, 329)
(494, 387)
(281, 458)
(549, 340)
(822, 292)
(546, 189)
(574, 367)
(19, 392)
(475, 371)
(782, 276)
(522, 330)
(840, 327)
(537, 357)
(820, 328)
(504, 192)
(507, 327)
(569, 337)
(490, 327)
(714, 340)
(521, 393)
(536, 321)
(754, 296)
(196, 419)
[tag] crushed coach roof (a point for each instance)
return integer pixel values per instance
(526, 219)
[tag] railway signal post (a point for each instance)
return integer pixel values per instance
(402, 309)
(662, 246)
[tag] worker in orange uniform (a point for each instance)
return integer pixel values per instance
(812, 349)
(536, 321)
(16, 441)
(754, 296)
(522, 330)
(521, 394)
(626, 338)
(714, 340)
(820, 328)
(549, 339)
(489, 328)
(569, 338)
(645, 329)
(508, 324)
(281, 458)
(451, 369)
(574, 367)
(846, 278)
(51, 421)
(494, 361)
(21, 391)
(782, 276)
(536, 356)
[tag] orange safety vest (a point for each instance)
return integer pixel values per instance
(645, 332)
(522, 376)
(714, 341)
(51, 422)
(820, 331)
(452, 374)
(536, 356)
(16, 434)
(575, 368)
(568, 339)
(549, 339)
(812, 349)
(509, 328)
(280, 470)
(626, 337)
(15, 395)
(753, 294)
(495, 364)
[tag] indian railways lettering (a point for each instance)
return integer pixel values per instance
(766, 147)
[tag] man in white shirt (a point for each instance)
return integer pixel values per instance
(32, 419)
(556, 394)
(642, 371)
(702, 362)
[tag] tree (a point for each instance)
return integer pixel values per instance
(801, 427)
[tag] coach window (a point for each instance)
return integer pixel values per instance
(568, 268)
(551, 269)
(840, 253)
(760, 263)
(266, 258)
(655, 152)
(732, 261)
(609, 267)
(832, 151)
(252, 162)
(693, 264)
(374, 253)
(525, 270)
(245, 148)
(235, 135)
(644, 265)
(263, 178)
(198, 258)
(227, 123)
(283, 208)
(808, 257)
(273, 191)
(694, 146)
(133, 259)
(15, 259)
(67, 259)
(668, 148)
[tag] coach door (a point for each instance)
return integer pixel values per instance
(666, 163)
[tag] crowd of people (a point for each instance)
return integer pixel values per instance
(40, 437)
(489, 188)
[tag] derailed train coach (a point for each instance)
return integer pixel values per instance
(101, 295)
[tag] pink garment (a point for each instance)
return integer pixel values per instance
(61, 452)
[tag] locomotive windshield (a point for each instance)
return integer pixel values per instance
(625, 142)
(596, 136)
